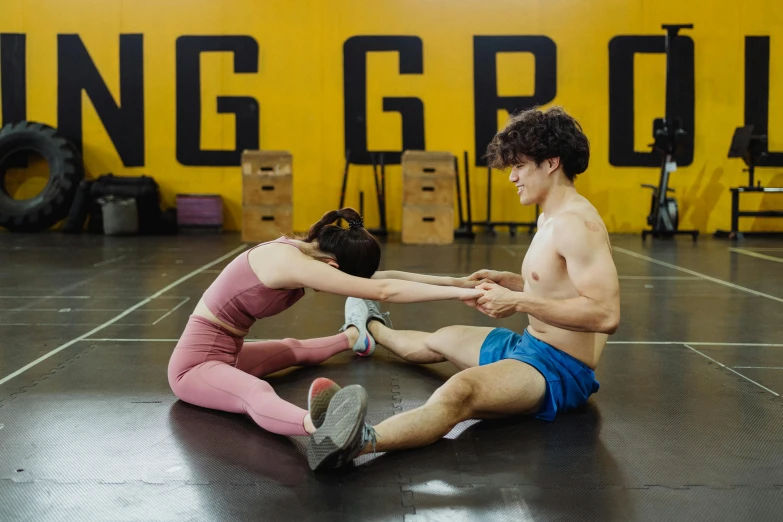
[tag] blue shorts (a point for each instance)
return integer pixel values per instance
(570, 382)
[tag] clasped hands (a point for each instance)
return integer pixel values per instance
(496, 301)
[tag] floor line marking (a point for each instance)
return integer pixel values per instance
(698, 274)
(185, 300)
(123, 314)
(128, 340)
(731, 370)
(112, 260)
(45, 297)
(99, 340)
(665, 278)
(71, 324)
(734, 344)
(759, 367)
(706, 343)
(87, 297)
(756, 254)
(68, 310)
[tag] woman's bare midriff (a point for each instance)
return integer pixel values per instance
(584, 346)
(202, 311)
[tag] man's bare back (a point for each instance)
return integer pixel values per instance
(545, 274)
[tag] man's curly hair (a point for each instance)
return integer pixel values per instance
(541, 135)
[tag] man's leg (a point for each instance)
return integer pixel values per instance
(460, 345)
(500, 389)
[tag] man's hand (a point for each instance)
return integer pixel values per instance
(508, 280)
(486, 276)
(497, 302)
(464, 282)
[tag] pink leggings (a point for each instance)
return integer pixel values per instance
(213, 368)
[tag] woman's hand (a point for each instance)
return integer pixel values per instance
(466, 295)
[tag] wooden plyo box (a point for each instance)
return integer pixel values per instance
(428, 190)
(267, 162)
(428, 225)
(264, 223)
(267, 190)
(429, 186)
(267, 194)
(267, 178)
(422, 162)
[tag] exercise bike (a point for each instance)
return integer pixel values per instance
(664, 218)
(669, 139)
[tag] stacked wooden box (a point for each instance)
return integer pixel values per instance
(267, 195)
(429, 186)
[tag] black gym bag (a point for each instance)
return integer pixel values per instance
(143, 189)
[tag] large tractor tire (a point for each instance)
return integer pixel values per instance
(66, 171)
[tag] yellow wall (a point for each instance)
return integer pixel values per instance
(299, 88)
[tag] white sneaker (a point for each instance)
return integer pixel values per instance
(358, 313)
(375, 313)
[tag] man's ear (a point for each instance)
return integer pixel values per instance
(553, 164)
(332, 262)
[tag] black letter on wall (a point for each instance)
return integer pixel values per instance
(757, 92)
(13, 74)
(245, 108)
(680, 99)
(485, 82)
(124, 123)
(355, 91)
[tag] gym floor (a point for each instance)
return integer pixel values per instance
(688, 423)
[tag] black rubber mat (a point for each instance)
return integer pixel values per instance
(94, 433)
(173, 501)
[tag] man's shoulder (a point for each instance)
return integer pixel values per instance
(578, 220)
(581, 211)
(579, 227)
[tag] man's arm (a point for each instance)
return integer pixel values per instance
(591, 270)
(585, 248)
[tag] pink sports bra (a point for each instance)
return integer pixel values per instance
(238, 298)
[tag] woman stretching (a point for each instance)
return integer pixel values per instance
(213, 367)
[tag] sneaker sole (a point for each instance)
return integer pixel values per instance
(344, 419)
(318, 404)
(369, 346)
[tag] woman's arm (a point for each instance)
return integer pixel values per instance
(460, 282)
(302, 271)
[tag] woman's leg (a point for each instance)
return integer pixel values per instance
(264, 357)
(201, 372)
(217, 385)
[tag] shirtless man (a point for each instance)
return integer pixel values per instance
(568, 287)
